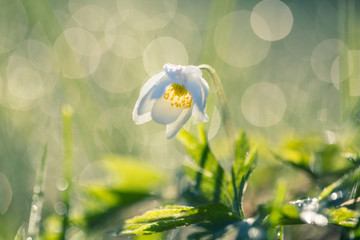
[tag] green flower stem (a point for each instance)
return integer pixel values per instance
(229, 127)
(37, 199)
(67, 113)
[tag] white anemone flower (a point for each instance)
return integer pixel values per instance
(171, 97)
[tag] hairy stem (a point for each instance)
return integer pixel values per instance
(222, 99)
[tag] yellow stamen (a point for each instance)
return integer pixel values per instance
(178, 96)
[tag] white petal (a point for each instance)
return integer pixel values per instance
(199, 116)
(140, 119)
(199, 90)
(173, 70)
(143, 105)
(151, 83)
(160, 88)
(173, 128)
(195, 71)
(162, 112)
(141, 113)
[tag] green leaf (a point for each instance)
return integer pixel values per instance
(244, 164)
(211, 182)
(242, 148)
(342, 216)
(128, 173)
(156, 236)
(276, 212)
(126, 181)
(298, 154)
(173, 216)
(349, 178)
(102, 204)
(314, 156)
(352, 156)
(290, 211)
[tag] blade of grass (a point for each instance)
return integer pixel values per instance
(67, 113)
(37, 199)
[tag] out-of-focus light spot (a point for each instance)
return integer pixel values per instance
(163, 149)
(62, 184)
(6, 193)
(271, 20)
(146, 133)
(146, 15)
(127, 47)
(187, 32)
(192, 9)
(78, 53)
(23, 81)
(88, 21)
(254, 233)
(74, 233)
(39, 60)
(334, 196)
(75, 5)
(95, 173)
(236, 43)
(297, 98)
(323, 57)
(13, 102)
(322, 115)
(41, 56)
(60, 208)
(330, 137)
(91, 17)
(338, 76)
(13, 24)
(82, 42)
(263, 104)
(116, 74)
(123, 40)
(164, 50)
(214, 124)
(354, 80)
(51, 103)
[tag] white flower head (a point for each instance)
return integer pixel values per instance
(171, 96)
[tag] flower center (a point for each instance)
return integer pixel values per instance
(178, 96)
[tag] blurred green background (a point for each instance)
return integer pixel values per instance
(279, 61)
